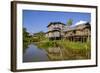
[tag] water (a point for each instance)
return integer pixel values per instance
(34, 54)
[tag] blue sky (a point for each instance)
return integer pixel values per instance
(35, 21)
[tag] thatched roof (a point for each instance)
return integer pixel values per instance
(53, 31)
(54, 23)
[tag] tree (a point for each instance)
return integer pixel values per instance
(69, 22)
(25, 35)
(40, 35)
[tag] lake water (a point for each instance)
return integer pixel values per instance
(34, 54)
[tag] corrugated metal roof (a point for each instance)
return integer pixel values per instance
(78, 27)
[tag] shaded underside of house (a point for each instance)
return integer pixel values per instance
(54, 35)
(82, 38)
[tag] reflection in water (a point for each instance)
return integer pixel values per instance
(25, 46)
(32, 53)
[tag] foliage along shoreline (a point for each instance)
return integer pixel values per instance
(70, 49)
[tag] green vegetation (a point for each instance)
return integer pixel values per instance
(45, 44)
(64, 44)
(37, 37)
(26, 39)
(70, 50)
(26, 36)
(69, 22)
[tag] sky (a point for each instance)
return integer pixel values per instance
(35, 21)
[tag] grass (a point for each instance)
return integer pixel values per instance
(64, 44)
(70, 50)
(73, 45)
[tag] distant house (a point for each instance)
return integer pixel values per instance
(55, 30)
(58, 30)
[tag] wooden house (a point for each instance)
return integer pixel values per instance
(81, 33)
(58, 30)
(55, 30)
